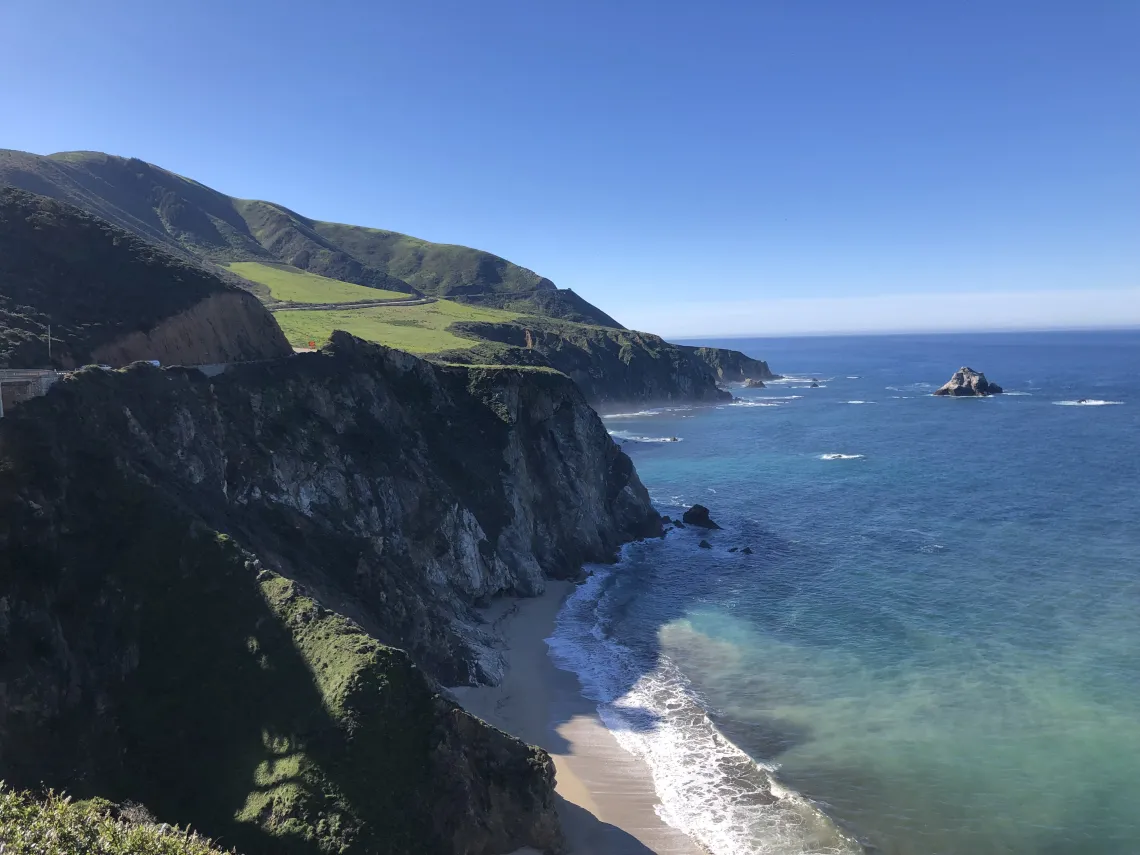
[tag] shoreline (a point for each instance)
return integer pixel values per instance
(605, 796)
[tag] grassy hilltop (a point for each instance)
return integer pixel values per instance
(448, 301)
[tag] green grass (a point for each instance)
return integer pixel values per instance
(297, 286)
(416, 329)
(55, 825)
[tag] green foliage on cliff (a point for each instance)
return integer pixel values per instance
(53, 824)
(290, 285)
(417, 329)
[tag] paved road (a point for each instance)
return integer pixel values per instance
(367, 304)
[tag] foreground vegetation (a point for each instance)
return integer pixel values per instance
(290, 285)
(56, 825)
(416, 329)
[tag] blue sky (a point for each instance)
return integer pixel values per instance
(693, 168)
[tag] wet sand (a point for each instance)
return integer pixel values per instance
(606, 796)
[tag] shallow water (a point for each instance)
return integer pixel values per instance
(936, 643)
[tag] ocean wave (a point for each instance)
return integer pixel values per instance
(1088, 402)
(854, 377)
(859, 402)
(740, 402)
(837, 456)
(626, 436)
(652, 411)
(1017, 394)
(709, 788)
(638, 414)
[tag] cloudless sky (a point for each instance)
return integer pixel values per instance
(693, 168)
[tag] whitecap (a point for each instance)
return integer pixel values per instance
(837, 456)
(1017, 394)
(1088, 402)
(626, 436)
(859, 402)
(638, 414)
(854, 377)
(745, 403)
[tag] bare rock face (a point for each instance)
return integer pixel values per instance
(753, 383)
(967, 382)
(233, 598)
(698, 515)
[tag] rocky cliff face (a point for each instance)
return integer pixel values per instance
(611, 366)
(203, 583)
(732, 366)
(231, 326)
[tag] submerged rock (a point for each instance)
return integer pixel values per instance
(967, 382)
(704, 544)
(746, 550)
(698, 515)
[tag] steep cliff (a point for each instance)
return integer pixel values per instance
(203, 583)
(111, 297)
(731, 366)
(612, 366)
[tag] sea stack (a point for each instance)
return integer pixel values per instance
(753, 383)
(698, 515)
(967, 382)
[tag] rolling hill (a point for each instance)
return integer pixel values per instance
(110, 297)
(199, 222)
(450, 302)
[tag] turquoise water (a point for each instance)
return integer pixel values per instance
(935, 647)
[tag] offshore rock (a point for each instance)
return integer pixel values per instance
(968, 382)
(698, 515)
(752, 383)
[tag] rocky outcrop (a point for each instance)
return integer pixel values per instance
(751, 383)
(111, 297)
(968, 382)
(227, 327)
(612, 367)
(207, 586)
(698, 515)
(732, 366)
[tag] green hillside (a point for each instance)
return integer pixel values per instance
(209, 226)
(416, 329)
(290, 285)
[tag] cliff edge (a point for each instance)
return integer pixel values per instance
(208, 585)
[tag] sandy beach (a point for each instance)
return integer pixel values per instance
(606, 796)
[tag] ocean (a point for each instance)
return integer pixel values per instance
(934, 647)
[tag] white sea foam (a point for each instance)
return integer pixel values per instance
(626, 436)
(753, 403)
(638, 414)
(709, 788)
(836, 456)
(854, 377)
(1017, 394)
(860, 402)
(1088, 402)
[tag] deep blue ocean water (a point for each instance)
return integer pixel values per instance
(934, 648)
